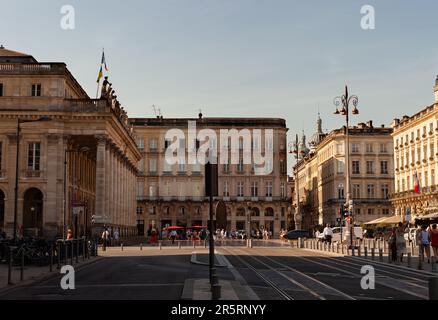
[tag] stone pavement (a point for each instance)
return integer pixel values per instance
(33, 274)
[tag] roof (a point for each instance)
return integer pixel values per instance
(386, 220)
(11, 54)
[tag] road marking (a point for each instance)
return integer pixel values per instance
(121, 285)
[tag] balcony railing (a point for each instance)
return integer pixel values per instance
(32, 173)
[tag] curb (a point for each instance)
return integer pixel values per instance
(195, 261)
(46, 277)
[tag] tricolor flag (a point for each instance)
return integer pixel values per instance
(417, 187)
(100, 75)
(104, 61)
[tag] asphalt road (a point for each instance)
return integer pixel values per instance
(272, 273)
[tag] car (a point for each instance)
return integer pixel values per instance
(295, 234)
(358, 232)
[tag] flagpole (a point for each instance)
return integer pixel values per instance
(97, 92)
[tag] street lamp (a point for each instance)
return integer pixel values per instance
(67, 151)
(293, 149)
(342, 104)
(17, 168)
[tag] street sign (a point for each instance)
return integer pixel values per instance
(338, 219)
(221, 215)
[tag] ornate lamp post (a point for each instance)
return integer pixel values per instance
(17, 169)
(293, 149)
(342, 104)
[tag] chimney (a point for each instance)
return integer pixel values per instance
(370, 124)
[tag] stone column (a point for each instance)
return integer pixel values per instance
(50, 208)
(10, 161)
(100, 179)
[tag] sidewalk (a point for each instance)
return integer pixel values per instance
(33, 274)
(366, 255)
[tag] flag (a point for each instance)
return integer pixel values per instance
(104, 61)
(417, 187)
(100, 75)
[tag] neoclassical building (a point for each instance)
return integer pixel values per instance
(321, 175)
(77, 156)
(416, 154)
(174, 194)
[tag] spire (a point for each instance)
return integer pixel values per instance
(319, 124)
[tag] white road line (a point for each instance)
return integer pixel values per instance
(110, 285)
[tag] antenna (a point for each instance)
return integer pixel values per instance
(155, 110)
(159, 112)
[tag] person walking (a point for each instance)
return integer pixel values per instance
(400, 241)
(392, 244)
(424, 243)
(116, 237)
(433, 234)
(105, 238)
(173, 236)
(69, 234)
(328, 233)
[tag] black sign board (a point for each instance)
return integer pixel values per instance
(211, 180)
(221, 215)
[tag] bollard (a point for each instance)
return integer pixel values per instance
(179, 245)
(51, 258)
(22, 266)
(10, 266)
(352, 251)
(380, 255)
(215, 292)
(365, 251)
(141, 246)
(433, 262)
(77, 251)
(58, 255)
(299, 243)
(337, 248)
(250, 243)
(342, 249)
(194, 245)
(373, 254)
(160, 245)
(205, 244)
(358, 252)
(433, 288)
(409, 259)
(72, 252)
(121, 246)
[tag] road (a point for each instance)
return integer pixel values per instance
(272, 273)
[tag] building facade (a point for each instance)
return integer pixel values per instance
(416, 162)
(77, 157)
(174, 194)
(321, 175)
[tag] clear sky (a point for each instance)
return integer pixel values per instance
(241, 58)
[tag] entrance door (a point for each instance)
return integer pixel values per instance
(33, 213)
(140, 227)
(2, 210)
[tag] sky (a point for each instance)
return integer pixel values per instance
(240, 58)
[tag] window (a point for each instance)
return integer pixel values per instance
(357, 211)
(181, 167)
(424, 130)
(356, 191)
(340, 167)
(153, 165)
(33, 156)
(356, 167)
(226, 190)
(1, 154)
(153, 144)
(418, 134)
(384, 167)
(240, 165)
(240, 192)
(369, 148)
(413, 155)
(341, 191)
(182, 211)
(1, 89)
(408, 179)
(139, 210)
(167, 143)
(385, 211)
(370, 191)
(355, 148)
(403, 185)
(140, 143)
(425, 151)
(397, 163)
(152, 211)
(36, 90)
(340, 148)
(426, 179)
(268, 166)
(141, 166)
(385, 191)
(283, 190)
(370, 167)
(432, 176)
(254, 189)
(431, 127)
(432, 150)
(283, 166)
(370, 211)
(412, 136)
(140, 189)
(196, 167)
(269, 189)
(383, 148)
(418, 154)
(166, 166)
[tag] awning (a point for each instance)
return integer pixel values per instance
(386, 220)
(430, 216)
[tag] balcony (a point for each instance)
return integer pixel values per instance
(32, 173)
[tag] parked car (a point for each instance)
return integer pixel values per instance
(295, 234)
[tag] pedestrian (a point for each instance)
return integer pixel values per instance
(400, 241)
(424, 242)
(328, 233)
(116, 237)
(392, 244)
(69, 234)
(433, 234)
(173, 236)
(105, 238)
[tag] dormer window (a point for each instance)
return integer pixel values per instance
(36, 90)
